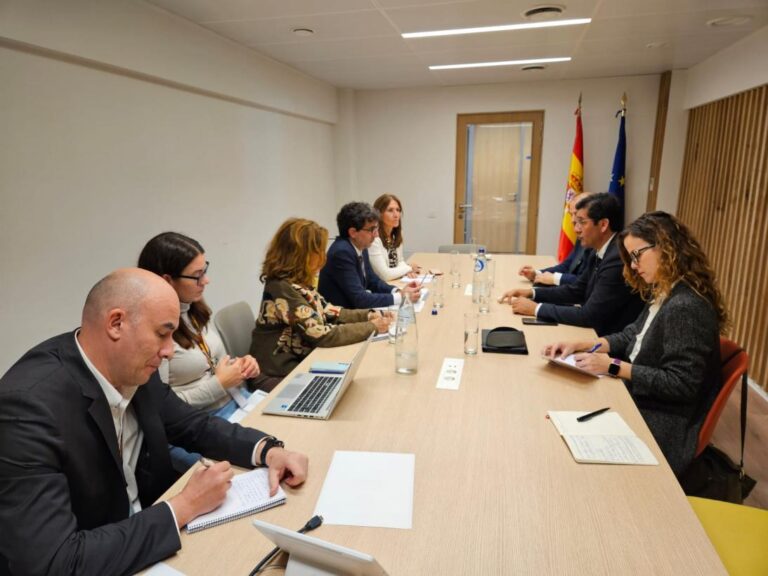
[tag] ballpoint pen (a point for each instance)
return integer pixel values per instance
(591, 415)
(594, 348)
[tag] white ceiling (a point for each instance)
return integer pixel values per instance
(357, 43)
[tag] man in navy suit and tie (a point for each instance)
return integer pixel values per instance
(347, 278)
(600, 298)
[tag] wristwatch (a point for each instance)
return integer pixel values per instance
(269, 443)
(614, 367)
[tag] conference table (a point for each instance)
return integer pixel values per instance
(496, 490)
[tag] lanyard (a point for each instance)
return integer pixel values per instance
(201, 343)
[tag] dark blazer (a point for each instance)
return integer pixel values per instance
(676, 374)
(342, 282)
(607, 304)
(571, 267)
(63, 502)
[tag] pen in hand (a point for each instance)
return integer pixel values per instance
(594, 348)
(591, 415)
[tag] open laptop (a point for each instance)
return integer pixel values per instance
(311, 395)
(310, 556)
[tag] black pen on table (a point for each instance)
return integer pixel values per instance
(591, 415)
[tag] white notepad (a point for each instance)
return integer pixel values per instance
(249, 494)
(605, 439)
(570, 362)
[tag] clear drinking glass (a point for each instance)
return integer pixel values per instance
(471, 332)
(483, 298)
(455, 269)
(438, 295)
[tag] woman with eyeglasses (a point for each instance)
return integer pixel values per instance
(294, 318)
(200, 372)
(669, 358)
(386, 251)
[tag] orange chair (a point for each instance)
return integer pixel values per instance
(734, 362)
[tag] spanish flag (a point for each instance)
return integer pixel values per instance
(575, 186)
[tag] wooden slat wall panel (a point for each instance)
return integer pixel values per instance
(724, 200)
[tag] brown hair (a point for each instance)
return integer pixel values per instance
(291, 249)
(680, 258)
(169, 253)
(381, 204)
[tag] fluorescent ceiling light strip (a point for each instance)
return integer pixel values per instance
(503, 63)
(504, 28)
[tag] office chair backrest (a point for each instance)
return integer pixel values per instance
(734, 362)
(235, 324)
(460, 248)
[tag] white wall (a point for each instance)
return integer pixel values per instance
(740, 67)
(94, 163)
(138, 37)
(406, 140)
(735, 69)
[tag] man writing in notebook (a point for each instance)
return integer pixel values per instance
(85, 424)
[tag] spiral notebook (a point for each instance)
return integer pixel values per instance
(249, 494)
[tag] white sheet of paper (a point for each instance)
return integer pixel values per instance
(605, 423)
(253, 401)
(368, 489)
(611, 449)
(570, 362)
(468, 290)
(162, 569)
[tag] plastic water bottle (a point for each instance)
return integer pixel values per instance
(480, 276)
(406, 339)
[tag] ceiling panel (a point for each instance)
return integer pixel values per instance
(326, 27)
(481, 13)
(357, 43)
(203, 11)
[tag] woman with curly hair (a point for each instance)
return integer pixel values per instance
(386, 251)
(669, 358)
(294, 318)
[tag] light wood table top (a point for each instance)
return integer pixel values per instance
(496, 490)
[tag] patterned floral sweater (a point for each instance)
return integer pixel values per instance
(294, 320)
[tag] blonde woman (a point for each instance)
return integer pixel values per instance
(669, 358)
(386, 251)
(294, 318)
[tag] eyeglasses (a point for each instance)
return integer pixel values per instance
(634, 256)
(580, 222)
(370, 229)
(197, 277)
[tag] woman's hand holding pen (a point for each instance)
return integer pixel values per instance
(594, 362)
(563, 349)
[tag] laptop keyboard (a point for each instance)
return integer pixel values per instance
(315, 394)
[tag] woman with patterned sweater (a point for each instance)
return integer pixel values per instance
(294, 318)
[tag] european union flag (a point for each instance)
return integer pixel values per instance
(616, 187)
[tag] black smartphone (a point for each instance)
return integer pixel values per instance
(536, 322)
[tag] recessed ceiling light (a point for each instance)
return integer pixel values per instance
(654, 45)
(502, 28)
(303, 31)
(504, 63)
(728, 21)
(544, 12)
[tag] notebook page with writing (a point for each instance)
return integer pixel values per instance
(249, 494)
(605, 439)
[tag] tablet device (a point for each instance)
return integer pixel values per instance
(312, 556)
